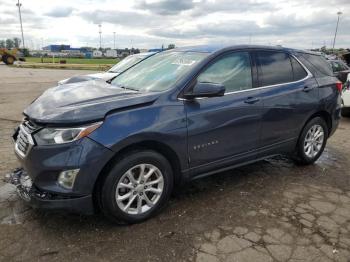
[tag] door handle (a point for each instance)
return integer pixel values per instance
(251, 100)
(307, 88)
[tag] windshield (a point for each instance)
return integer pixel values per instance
(159, 72)
(126, 63)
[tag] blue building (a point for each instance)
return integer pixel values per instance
(56, 48)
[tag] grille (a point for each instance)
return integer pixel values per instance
(22, 143)
(24, 139)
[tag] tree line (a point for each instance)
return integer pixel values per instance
(10, 43)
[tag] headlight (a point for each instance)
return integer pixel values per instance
(49, 136)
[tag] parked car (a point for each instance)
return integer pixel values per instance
(346, 98)
(179, 115)
(340, 69)
(342, 72)
(123, 65)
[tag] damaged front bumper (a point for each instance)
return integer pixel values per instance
(46, 200)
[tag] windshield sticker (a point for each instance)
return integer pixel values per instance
(183, 62)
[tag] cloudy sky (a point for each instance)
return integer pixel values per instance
(151, 23)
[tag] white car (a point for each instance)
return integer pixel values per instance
(346, 98)
(119, 68)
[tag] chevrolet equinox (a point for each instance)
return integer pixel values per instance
(121, 147)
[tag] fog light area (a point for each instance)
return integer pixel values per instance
(66, 178)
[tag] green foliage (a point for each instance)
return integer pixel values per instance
(171, 46)
(96, 61)
(10, 43)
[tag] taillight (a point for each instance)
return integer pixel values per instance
(339, 86)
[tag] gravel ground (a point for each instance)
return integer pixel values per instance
(272, 210)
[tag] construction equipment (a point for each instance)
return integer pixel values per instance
(8, 56)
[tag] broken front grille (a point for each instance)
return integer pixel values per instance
(24, 139)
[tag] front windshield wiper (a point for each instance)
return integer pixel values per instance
(128, 88)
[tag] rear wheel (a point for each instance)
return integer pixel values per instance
(312, 141)
(137, 187)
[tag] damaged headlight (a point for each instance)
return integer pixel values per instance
(49, 136)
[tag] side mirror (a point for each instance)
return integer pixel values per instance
(206, 90)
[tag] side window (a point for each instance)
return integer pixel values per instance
(275, 68)
(232, 70)
(298, 71)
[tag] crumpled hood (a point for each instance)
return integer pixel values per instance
(83, 102)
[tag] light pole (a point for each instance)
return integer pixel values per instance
(336, 29)
(100, 32)
(114, 39)
(20, 20)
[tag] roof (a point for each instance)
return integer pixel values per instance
(215, 48)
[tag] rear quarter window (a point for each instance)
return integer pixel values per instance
(317, 64)
(298, 70)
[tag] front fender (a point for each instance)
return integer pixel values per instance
(165, 124)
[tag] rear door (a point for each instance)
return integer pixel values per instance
(221, 129)
(288, 93)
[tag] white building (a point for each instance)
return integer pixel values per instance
(111, 53)
(97, 53)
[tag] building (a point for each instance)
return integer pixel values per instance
(96, 53)
(56, 48)
(111, 53)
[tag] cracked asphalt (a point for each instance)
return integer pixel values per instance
(272, 210)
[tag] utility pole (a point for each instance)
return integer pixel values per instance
(100, 32)
(114, 40)
(336, 29)
(20, 20)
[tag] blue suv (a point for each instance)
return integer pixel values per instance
(178, 115)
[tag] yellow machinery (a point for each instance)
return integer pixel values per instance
(8, 56)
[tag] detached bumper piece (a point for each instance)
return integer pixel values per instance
(47, 200)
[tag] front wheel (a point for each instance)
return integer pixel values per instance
(312, 141)
(137, 187)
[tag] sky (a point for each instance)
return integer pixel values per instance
(153, 23)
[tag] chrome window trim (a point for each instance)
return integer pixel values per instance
(309, 75)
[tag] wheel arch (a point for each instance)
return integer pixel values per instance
(325, 116)
(153, 145)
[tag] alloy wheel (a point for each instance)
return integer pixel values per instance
(313, 141)
(139, 189)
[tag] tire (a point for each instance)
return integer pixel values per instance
(8, 59)
(345, 112)
(120, 176)
(307, 155)
(4, 59)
